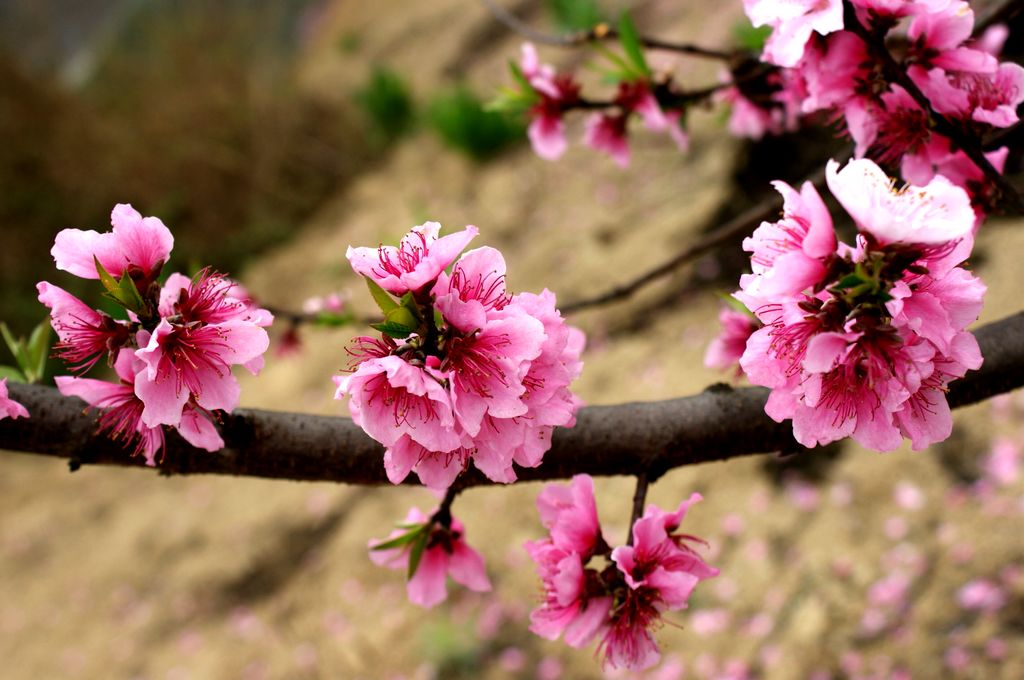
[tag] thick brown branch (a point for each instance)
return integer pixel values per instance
(624, 439)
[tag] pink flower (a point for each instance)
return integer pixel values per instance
(938, 212)
(474, 292)
(122, 411)
(568, 608)
(136, 245)
(570, 515)
(725, 350)
(8, 407)
(608, 133)
(793, 22)
(1002, 465)
(981, 595)
(416, 262)
(390, 397)
(191, 359)
(445, 554)
(547, 129)
(86, 335)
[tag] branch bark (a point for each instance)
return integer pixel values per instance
(624, 439)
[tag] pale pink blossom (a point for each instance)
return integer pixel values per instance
(793, 22)
(446, 554)
(1002, 464)
(981, 595)
(938, 212)
(8, 407)
(570, 515)
(417, 261)
(136, 245)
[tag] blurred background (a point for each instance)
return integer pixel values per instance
(269, 137)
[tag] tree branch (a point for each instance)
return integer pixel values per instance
(598, 33)
(741, 224)
(624, 439)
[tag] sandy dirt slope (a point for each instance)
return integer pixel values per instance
(123, 574)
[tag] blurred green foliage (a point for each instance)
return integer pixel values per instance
(387, 104)
(462, 122)
(575, 15)
(750, 38)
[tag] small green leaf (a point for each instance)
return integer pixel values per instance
(750, 38)
(12, 374)
(17, 348)
(417, 552)
(403, 316)
(38, 349)
(129, 294)
(403, 540)
(381, 296)
(519, 76)
(393, 330)
(108, 281)
(333, 319)
(849, 281)
(630, 40)
(735, 305)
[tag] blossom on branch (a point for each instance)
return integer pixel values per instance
(464, 371)
(862, 341)
(430, 551)
(622, 602)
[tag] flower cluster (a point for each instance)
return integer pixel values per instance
(463, 371)
(8, 407)
(429, 549)
(546, 95)
(830, 68)
(862, 340)
(621, 602)
(173, 351)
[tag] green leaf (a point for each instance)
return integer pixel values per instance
(735, 305)
(108, 281)
(38, 349)
(849, 281)
(12, 374)
(403, 316)
(750, 38)
(333, 319)
(129, 294)
(381, 296)
(519, 77)
(17, 348)
(630, 40)
(393, 330)
(403, 540)
(417, 552)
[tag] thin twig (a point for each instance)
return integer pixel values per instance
(599, 33)
(624, 439)
(639, 498)
(739, 225)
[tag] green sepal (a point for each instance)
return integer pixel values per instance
(122, 292)
(332, 319)
(850, 281)
(380, 296)
(735, 305)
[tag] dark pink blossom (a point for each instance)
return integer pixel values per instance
(85, 335)
(8, 407)
(555, 92)
(607, 133)
(725, 350)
